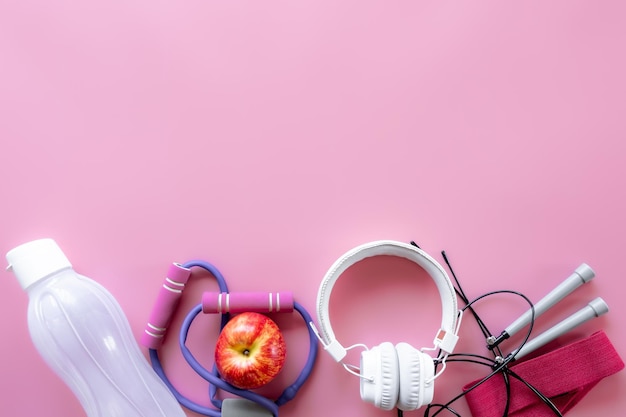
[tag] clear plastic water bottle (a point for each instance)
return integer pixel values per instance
(81, 331)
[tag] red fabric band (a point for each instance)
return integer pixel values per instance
(564, 375)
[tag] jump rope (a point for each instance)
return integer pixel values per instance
(498, 364)
(157, 327)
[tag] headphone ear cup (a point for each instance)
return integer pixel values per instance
(416, 370)
(379, 371)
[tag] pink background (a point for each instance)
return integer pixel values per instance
(269, 138)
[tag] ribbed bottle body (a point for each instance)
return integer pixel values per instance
(81, 331)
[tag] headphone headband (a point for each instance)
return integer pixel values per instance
(446, 337)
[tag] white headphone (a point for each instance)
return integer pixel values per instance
(393, 376)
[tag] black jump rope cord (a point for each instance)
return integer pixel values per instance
(498, 365)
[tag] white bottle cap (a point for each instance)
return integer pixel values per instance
(36, 260)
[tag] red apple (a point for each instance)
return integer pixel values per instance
(250, 351)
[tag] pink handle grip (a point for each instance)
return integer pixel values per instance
(239, 302)
(166, 303)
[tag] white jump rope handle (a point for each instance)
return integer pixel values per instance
(581, 275)
(595, 308)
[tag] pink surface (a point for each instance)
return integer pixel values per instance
(270, 138)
